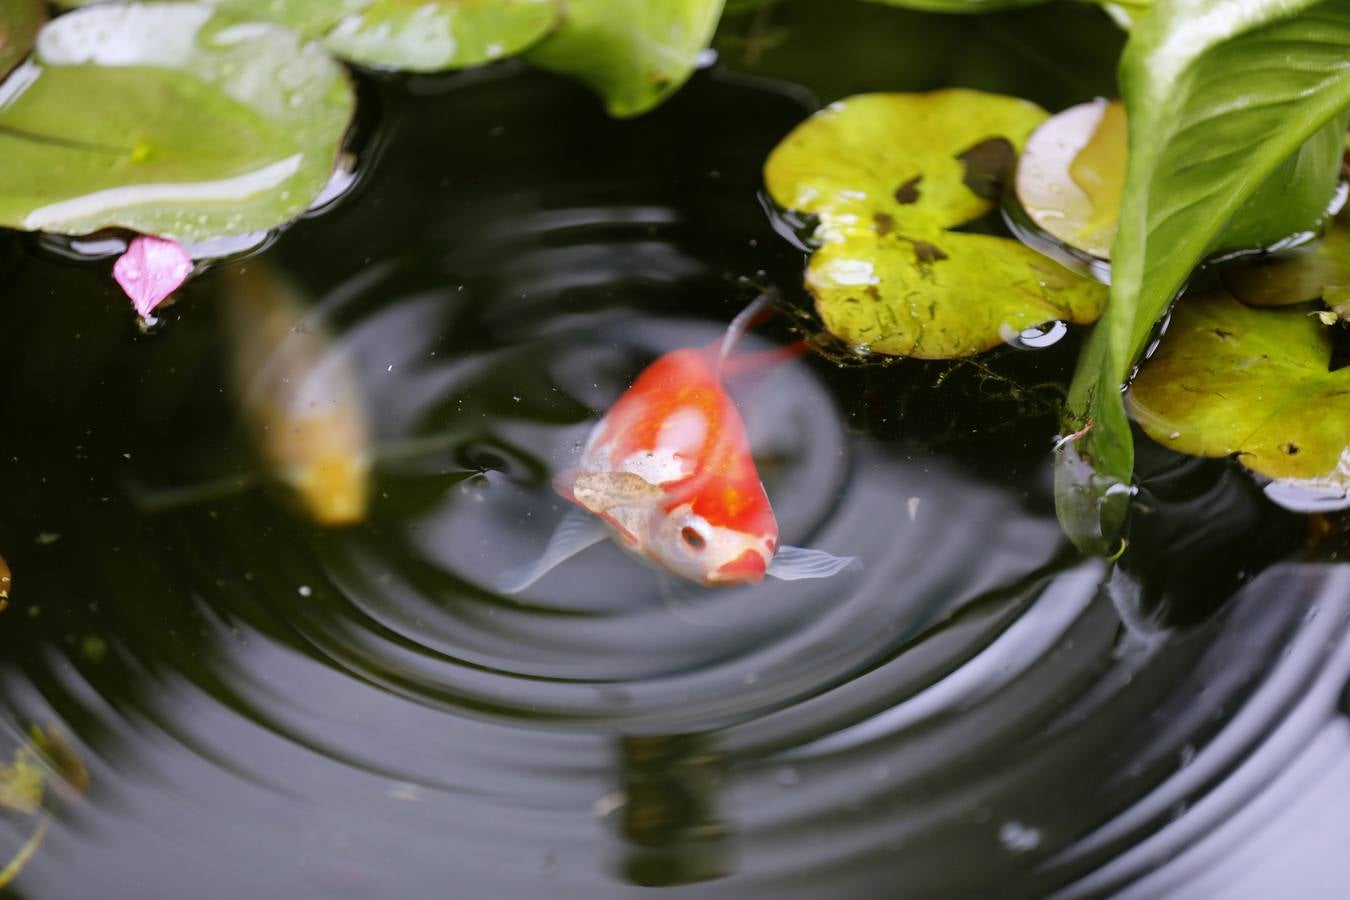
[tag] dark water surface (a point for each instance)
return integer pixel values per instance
(272, 709)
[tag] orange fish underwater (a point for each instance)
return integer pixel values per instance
(668, 473)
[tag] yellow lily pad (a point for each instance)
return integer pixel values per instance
(886, 176)
(1316, 271)
(1231, 380)
(1071, 177)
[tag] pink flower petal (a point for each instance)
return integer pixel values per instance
(150, 270)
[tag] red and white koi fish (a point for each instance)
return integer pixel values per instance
(668, 473)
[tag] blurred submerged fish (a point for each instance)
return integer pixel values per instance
(298, 394)
(668, 473)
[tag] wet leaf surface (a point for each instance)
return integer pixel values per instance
(19, 24)
(413, 35)
(442, 34)
(1318, 271)
(1071, 178)
(1228, 379)
(634, 53)
(171, 120)
(887, 175)
(1236, 117)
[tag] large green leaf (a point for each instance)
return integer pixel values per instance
(634, 53)
(888, 176)
(19, 24)
(1220, 94)
(169, 119)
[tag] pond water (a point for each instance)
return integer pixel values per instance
(269, 708)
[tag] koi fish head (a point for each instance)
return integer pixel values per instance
(693, 547)
(722, 533)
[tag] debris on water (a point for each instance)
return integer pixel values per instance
(304, 590)
(93, 648)
(6, 580)
(912, 505)
(1019, 838)
(151, 270)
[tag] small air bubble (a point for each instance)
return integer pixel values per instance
(1038, 337)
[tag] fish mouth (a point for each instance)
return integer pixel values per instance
(748, 568)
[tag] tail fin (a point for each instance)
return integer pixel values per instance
(764, 359)
(759, 310)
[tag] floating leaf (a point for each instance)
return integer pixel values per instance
(1228, 379)
(310, 18)
(634, 53)
(19, 24)
(47, 759)
(1316, 271)
(151, 270)
(1072, 173)
(1125, 14)
(886, 175)
(1230, 102)
(21, 783)
(440, 34)
(167, 119)
(415, 35)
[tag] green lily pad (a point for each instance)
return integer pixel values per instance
(170, 119)
(440, 34)
(886, 175)
(634, 53)
(414, 35)
(1316, 271)
(1228, 379)
(310, 18)
(19, 24)
(1071, 176)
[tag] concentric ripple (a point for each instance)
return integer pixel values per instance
(270, 708)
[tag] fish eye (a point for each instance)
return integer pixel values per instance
(693, 538)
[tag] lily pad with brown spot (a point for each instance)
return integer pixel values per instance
(886, 176)
(1231, 380)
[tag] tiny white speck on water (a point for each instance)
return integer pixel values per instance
(304, 590)
(1019, 838)
(912, 505)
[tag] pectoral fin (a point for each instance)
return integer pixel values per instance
(798, 563)
(577, 531)
(601, 491)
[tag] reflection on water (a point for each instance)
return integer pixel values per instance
(268, 707)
